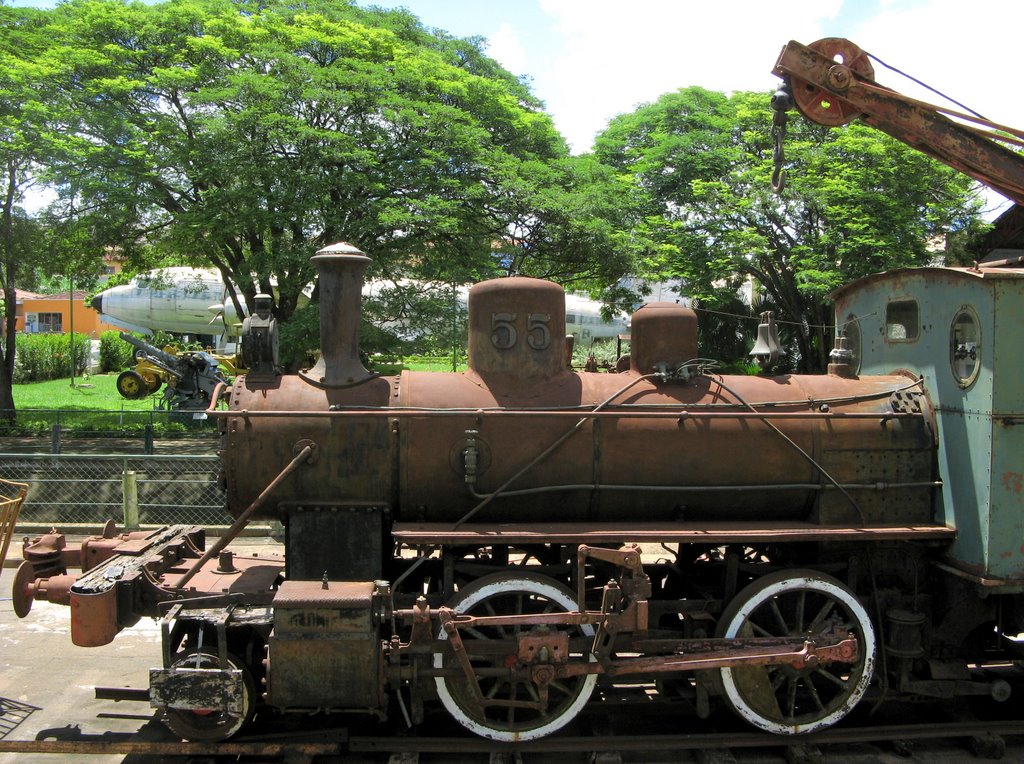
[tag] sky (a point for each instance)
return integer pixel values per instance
(589, 60)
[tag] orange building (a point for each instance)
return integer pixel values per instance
(53, 313)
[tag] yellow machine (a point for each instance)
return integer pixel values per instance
(190, 375)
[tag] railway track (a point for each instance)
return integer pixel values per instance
(985, 740)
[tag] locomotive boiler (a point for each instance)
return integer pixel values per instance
(507, 540)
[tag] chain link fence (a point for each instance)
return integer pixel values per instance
(92, 488)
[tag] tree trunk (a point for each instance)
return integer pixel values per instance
(7, 278)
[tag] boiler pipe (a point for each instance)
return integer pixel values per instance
(243, 519)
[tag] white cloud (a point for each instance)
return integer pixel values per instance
(613, 56)
(966, 50)
(506, 48)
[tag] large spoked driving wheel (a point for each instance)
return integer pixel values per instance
(509, 594)
(211, 725)
(782, 699)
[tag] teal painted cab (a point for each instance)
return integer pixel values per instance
(961, 330)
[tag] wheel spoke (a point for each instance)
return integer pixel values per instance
(557, 684)
(513, 696)
(819, 619)
(801, 601)
(773, 604)
(814, 693)
(791, 697)
(491, 611)
(837, 681)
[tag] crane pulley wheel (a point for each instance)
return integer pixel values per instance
(819, 104)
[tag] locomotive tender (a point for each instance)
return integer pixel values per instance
(511, 540)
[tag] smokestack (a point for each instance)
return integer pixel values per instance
(340, 268)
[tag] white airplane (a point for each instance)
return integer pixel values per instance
(195, 301)
(178, 300)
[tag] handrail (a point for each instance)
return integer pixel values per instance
(9, 509)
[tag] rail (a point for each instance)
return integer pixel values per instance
(12, 496)
(339, 742)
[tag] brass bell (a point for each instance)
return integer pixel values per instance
(766, 350)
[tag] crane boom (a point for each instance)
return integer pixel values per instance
(832, 83)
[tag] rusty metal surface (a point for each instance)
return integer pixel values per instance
(837, 92)
(325, 650)
(361, 452)
(516, 331)
(679, 451)
(142, 570)
(685, 533)
(249, 575)
(813, 99)
(662, 333)
(657, 450)
(340, 268)
(316, 594)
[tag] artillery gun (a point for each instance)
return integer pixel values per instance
(190, 376)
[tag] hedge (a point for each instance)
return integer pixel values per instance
(39, 357)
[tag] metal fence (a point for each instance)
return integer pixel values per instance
(57, 430)
(91, 488)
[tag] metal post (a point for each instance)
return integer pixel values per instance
(130, 500)
(71, 321)
(55, 437)
(148, 447)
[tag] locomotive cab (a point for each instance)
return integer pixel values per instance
(958, 330)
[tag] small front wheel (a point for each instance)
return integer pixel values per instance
(211, 725)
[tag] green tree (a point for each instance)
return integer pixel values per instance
(856, 202)
(22, 36)
(248, 135)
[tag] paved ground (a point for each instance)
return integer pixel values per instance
(47, 683)
(54, 680)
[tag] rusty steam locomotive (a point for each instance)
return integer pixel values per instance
(510, 540)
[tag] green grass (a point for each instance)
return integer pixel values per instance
(93, 405)
(94, 393)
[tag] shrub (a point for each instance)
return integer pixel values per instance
(115, 353)
(39, 357)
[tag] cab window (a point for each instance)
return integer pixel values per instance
(965, 346)
(901, 321)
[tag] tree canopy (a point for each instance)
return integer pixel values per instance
(856, 202)
(248, 135)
